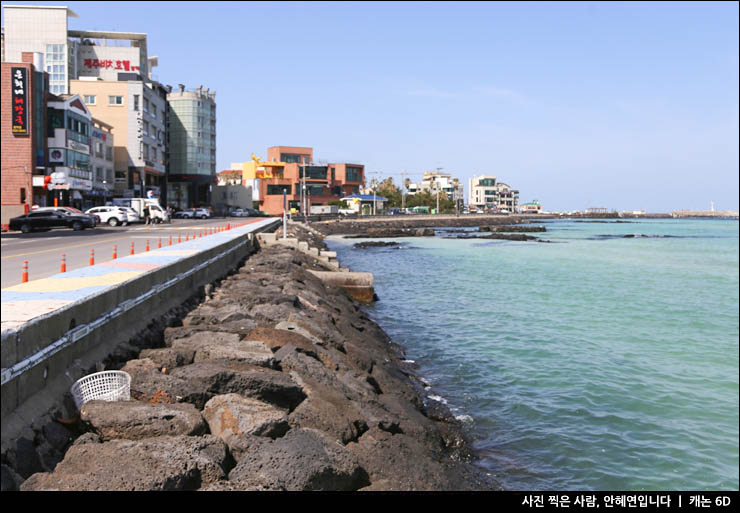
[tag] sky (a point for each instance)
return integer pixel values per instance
(626, 106)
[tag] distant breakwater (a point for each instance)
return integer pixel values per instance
(361, 226)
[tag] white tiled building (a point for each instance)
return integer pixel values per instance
(434, 181)
(486, 193)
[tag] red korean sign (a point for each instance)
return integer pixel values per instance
(109, 64)
(19, 99)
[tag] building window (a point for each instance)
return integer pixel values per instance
(314, 172)
(115, 100)
(146, 128)
(23, 194)
(354, 174)
(146, 151)
(315, 190)
(109, 153)
(278, 189)
(90, 99)
(290, 158)
(146, 105)
(136, 102)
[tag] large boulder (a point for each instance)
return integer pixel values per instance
(167, 358)
(327, 410)
(235, 415)
(216, 377)
(149, 384)
(277, 338)
(213, 315)
(241, 327)
(209, 345)
(135, 420)
(304, 459)
(396, 461)
(162, 463)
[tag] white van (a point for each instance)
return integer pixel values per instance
(156, 212)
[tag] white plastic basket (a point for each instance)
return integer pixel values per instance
(102, 386)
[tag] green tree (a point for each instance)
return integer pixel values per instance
(389, 190)
(429, 199)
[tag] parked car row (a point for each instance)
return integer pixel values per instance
(248, 212)
(193, 213)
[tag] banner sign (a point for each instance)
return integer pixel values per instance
(19, 100)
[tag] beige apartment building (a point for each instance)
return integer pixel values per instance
(138, 117)
(434, 181)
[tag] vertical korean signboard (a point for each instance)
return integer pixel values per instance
(19, 100)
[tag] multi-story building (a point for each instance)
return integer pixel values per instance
(101, 163)
(109, 56)
(192, 147)
(486, 193)
(42, 29)
(137, 113)
(24, 87)
(113, 72)
(306, 183)
(69, 128)
(434, 181)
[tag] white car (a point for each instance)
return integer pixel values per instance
(202, 213)
(133, 217)
(185, 214)
(111, 215)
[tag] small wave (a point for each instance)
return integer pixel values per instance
(465, 419)
(437, 398)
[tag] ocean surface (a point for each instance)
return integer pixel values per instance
(595, 362)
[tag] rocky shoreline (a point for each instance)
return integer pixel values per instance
(410, 223)
(277, 381)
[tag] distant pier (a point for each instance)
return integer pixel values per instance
(705, 213)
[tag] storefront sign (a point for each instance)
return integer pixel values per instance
(56, 155)
(100, 135)
(19, 100)
(84, 148)
(109, 64)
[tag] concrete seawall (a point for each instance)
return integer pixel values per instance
(55, 330)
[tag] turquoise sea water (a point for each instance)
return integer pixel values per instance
(596, 362)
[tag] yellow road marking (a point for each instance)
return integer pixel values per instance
(64, 247)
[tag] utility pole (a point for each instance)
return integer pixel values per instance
(303, 191)
(437, 181)
(285, 212)
(403, 190)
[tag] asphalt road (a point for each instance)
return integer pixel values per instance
(43, 250)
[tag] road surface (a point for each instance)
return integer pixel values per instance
(43, 250)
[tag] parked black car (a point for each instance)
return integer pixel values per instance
(48, 219)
